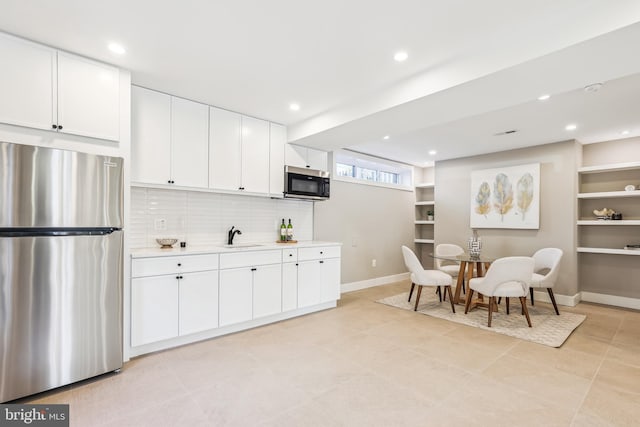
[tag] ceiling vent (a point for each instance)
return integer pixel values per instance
(506, 132)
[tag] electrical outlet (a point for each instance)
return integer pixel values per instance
(160, 224)
(374, 263)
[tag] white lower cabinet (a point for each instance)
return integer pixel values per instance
(154, 309)
(198, 302)
(176, 296)
(318, 275)
(252, 290)
(165, 306)
(235, 296)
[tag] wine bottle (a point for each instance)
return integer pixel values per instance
(283, 231)
(289, 231)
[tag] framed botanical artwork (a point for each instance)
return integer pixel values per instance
(506, 197)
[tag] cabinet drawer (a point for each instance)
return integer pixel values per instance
(249, 259)
(318, 252)
(167, 265)
(289, 255)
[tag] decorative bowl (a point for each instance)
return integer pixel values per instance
(166, 243)
(630, 187)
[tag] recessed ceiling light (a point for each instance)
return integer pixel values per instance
(116, 48)
(294, 107)
(385, 137)
(571, 127)
(432, 152)
(544, 97)
(624, 132)
(593, 87)
(401, 56)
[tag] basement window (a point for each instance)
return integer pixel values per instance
(362, 169)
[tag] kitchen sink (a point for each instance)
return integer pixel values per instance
(243, 245)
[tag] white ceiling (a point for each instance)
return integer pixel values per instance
(474, 68)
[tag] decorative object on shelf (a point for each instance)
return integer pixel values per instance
(506, 197)
(166, 243)
(429, 215)
(630, 188)
(605, 213)
(632, 247)
(474, 245)
(616, 216)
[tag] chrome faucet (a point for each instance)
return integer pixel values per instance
(232, 234)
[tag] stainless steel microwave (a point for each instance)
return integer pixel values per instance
(303, 183)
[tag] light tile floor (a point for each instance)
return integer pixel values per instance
(367, 364)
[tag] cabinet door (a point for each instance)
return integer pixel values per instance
(295, 155)
(198, 302)
(255, 155)
(88, 97)
(317, 159)
(277, 141)
(289, 286)
(150, 136)
(27, 83)
(330, 277)
(189, 143)
(154, 309)
(224, 149)
(235, 296)
(309, 283)
(267, 290)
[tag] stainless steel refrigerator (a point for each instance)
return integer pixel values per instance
(61, 255)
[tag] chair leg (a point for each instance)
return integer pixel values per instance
(531, 293)
(491, 299)
(468, 303)
(439, 294)
(499, 300)
(464, 291)
(418, 297)
(413, 285)
(553, 300)
(451, 298)
(523, 302)
(507, 302)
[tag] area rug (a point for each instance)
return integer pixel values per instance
(547, 327)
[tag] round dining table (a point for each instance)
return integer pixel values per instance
(467, 264)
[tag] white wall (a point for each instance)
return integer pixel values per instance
(204, 218)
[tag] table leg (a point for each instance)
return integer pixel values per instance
(456, 297)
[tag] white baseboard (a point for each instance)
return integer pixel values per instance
(566, 300)
(370, 283)
(614, 300)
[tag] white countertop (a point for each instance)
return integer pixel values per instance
(242, 247)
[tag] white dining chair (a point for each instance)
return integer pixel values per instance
(506, 277)
(547, 259)
(452, 268)
(421, 277)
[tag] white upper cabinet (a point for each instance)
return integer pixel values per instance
(150, 136)
(238, 152)
(255, 155)
(169, 139)
(27, 83)
(189, 143)
(277, 141)
(88, 98)
(303, 157)
(46, 89)
(224, 149)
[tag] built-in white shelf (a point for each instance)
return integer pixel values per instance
(609, 194)
(426, 203)
(610, 222)
(609, 168)
(608, 251)
(428, 241)
(433, 222)
(426, 185)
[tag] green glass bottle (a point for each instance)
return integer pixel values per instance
(283, 231)
(289, 231)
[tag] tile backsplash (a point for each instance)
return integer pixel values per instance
(202, 218)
